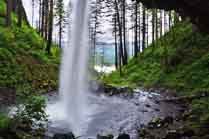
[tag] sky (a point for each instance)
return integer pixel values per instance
(28, 7)
(106, 27)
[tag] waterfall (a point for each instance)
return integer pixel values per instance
(73, 81)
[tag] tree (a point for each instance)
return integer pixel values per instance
(33, 7)
(124, 32)
(156, 24)
(39, 18)
(50, 27)
(139, 27)
(8, 12)
(20, 13)
(43, 16)
(47, 19)
(116, 43)
(153, 26)
(60, 14)
(144, 29)
(136, 31)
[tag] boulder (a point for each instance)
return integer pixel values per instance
(7, 96)
(105, 137)
(205, 137)
(172, 134)
(123, 136)
(64, 136)
(188, 132)
(168, 120)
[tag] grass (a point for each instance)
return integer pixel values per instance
(180, 62)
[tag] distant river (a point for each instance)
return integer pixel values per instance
(105, 53)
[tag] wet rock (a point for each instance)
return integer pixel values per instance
(205, 137)
(187, 132)
(172, 134)
(123, 136)
(96, 86)
(168, 120)
(155, 123)
(64, 136)
(195, 137)
(147, 105)
(105, 137)
(201, 131)
(7, 95)
(157, 102)
(157, 110)
(143, 111)
(142, 133)
(110, 90)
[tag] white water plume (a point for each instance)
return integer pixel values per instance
(73, 81)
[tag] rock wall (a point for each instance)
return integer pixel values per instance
(197, 10)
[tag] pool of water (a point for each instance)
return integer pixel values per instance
(112, 115)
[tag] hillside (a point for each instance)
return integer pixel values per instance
(25, 68)
(179, 61)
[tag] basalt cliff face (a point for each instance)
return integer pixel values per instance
(197, 10)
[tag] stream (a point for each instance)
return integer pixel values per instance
(112, 115)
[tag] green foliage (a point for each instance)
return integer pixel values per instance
(24, 65)
(4, 122)
(32, 112)
(180, 62)
(2, 7)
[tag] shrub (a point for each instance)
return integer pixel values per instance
(32, 112)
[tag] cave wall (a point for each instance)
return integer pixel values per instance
(197, 10)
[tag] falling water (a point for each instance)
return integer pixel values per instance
(73, 84)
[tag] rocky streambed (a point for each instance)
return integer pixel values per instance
(116, 111)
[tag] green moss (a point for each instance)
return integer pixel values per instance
(4, 122)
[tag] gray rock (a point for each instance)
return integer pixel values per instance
(105, 137)
(123, 136)
(173, 134)
(64, 136)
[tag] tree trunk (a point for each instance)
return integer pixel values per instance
(153, 27)
(144, 29)
(42, 17)
(116, 44)
(156, 26)
(139, 27)
(125, 62)
(14, 5)
(49, 42)
(136, 32)
(8, 13)
(20, 13)
(47, 18)
(161, 23)
(170, 19)
(120, 32)
(147, 29)
(40, 14)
